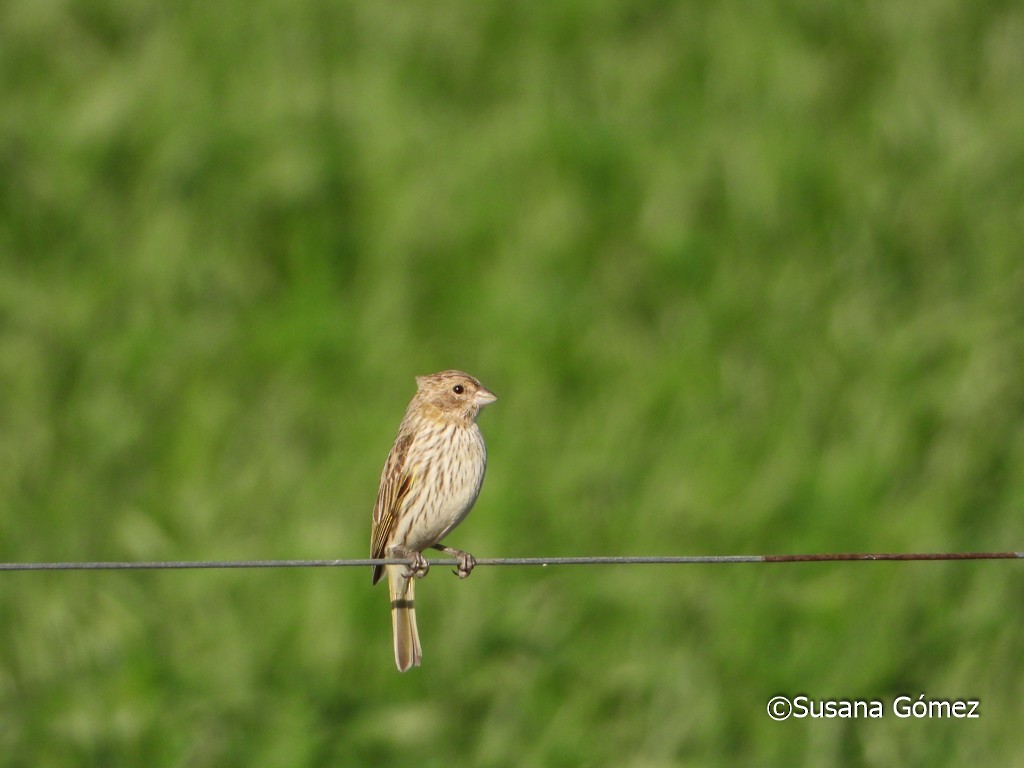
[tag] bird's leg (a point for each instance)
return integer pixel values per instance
(466, 561)
(418, 565)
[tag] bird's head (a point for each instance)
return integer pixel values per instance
(454, 394)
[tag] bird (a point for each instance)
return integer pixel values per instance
(429, 483)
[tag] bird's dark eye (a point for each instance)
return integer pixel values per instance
(458, 389)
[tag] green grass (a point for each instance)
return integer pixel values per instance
(747, 278)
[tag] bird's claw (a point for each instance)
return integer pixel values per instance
(418, 566)
(466, 563)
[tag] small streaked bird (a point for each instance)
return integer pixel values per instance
(430, 481)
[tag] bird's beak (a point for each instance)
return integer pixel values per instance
(484, 397)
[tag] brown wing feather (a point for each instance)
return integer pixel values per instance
(394, 486)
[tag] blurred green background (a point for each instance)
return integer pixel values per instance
(747, 277)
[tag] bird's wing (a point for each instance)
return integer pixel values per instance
(395, 483)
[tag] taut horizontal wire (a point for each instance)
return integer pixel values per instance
(488, 561)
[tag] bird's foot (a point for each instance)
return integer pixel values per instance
(466, 562)
(418, 564)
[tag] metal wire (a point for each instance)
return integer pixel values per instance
(512, 561)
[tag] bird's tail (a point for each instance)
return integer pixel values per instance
(403, 618)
